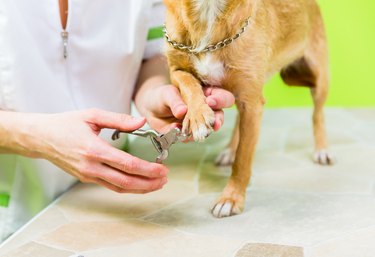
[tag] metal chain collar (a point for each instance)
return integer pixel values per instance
(209, 48)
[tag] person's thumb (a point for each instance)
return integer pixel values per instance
(111, 120)
(174, 101)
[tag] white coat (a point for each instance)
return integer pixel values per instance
(105, 47)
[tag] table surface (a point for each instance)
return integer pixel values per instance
(294, 208)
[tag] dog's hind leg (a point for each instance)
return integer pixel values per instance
(312, 71)
(318, 55)
(227, 156)
(319, 95)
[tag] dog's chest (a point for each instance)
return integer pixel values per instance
(210, 70)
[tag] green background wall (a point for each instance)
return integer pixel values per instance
(350, 27)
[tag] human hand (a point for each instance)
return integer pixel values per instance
(70, 140)
(164, 108)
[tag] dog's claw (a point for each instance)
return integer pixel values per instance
(225, 209)
(199, 123)
(202, 132)
(323, 157)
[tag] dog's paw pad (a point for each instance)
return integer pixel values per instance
(324, 157)
(225, 209)
(225, 158)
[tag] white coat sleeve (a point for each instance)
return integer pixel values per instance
(155, 38)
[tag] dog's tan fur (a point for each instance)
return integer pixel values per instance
(284, 35)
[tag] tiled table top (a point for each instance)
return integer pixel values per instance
(294, 207)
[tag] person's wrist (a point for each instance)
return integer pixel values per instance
(18, 134)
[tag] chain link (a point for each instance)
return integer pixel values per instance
(209, 48)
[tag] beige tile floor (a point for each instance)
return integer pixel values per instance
(294, 207)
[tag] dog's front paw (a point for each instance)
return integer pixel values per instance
(228, 206)
(199, 122)
(324, 157)
(226, 157)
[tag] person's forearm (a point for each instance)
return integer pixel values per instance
(15, 134)
(154, 72)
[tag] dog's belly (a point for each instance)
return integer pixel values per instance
(209, 70)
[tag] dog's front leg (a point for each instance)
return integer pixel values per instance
(200, 118)
(250, 106)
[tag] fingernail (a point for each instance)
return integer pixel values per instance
(217, 125)
(180, 110)
(212, 102)
(163, 171)
(180, 106)
(138, 118)
(164, 181)
(209, 91)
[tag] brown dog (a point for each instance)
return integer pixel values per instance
(238, 45)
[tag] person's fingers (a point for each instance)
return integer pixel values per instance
(107, 185)
(125, 162)
(120, 121)
(127, 181)
(218, 98)
(173, 100)
(118, 189)
(219, 120)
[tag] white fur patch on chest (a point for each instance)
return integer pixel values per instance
(209, 10)
(210, 71)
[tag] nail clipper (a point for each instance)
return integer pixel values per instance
(161, 142)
